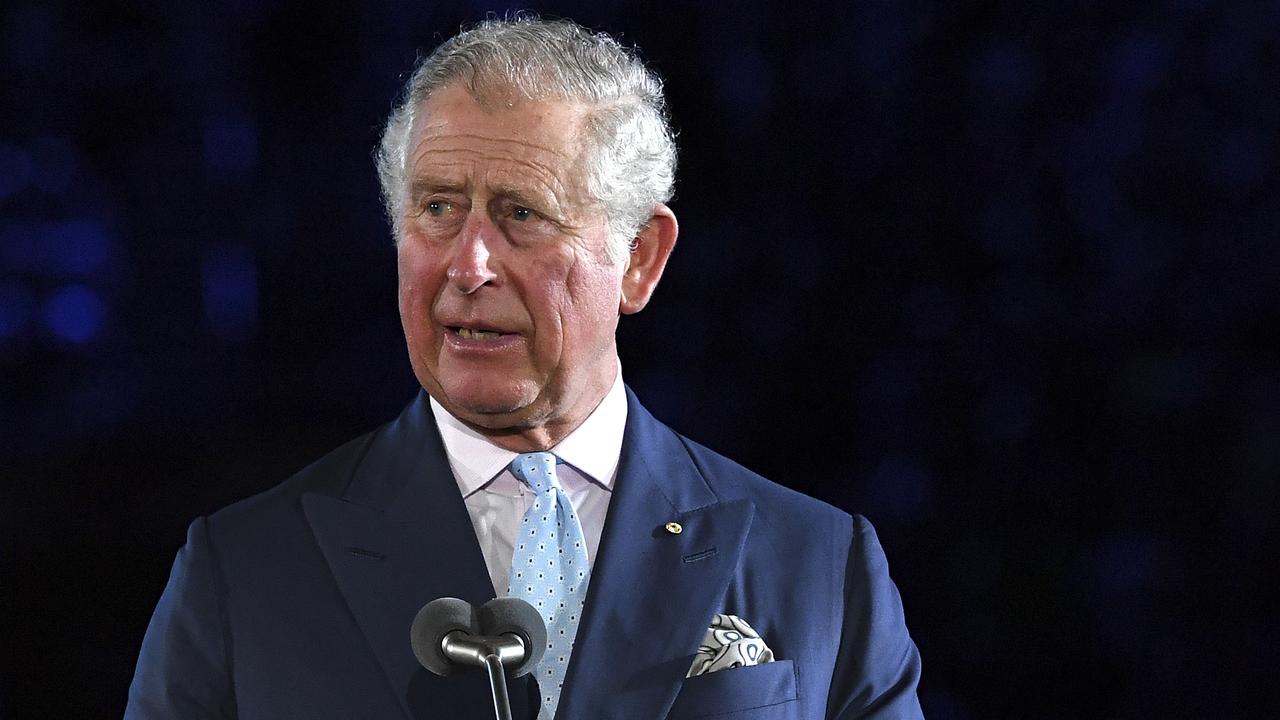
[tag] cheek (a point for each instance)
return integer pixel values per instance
(408, 285)
(597, 288)
(416, 287)
(592, 300)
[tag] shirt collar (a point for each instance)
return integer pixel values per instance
(594, 447)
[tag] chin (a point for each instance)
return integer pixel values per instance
(484, 401)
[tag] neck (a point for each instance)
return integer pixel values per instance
(542, 434)
(525, 440)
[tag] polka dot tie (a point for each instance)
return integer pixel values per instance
(549, 569)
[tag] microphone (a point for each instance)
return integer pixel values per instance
(505, 635)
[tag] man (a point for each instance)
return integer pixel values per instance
(525, 174)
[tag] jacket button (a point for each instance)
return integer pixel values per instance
(674, 528)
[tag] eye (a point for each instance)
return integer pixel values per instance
(521, 213)
(438, 208)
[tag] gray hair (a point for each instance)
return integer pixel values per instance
(631, 159)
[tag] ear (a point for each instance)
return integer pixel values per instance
(652, 246)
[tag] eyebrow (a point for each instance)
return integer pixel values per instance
(425, 184)
(522, 198)
(547, 205)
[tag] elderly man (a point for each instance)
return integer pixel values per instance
(525, 174)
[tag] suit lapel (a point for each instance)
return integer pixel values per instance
(399, 538)
(652, 592)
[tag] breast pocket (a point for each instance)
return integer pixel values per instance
(756, 692)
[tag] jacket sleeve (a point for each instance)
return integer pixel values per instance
(184, 667)
(878, 666)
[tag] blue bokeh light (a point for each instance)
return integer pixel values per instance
(230, 279)
(72, 248)
(78, 247)
(75, 313)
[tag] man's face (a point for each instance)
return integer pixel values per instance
(508, 297)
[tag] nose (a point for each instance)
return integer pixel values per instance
(471, 268)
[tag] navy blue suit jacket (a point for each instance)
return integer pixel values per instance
(297, 602)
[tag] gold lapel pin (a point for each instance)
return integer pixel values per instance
(674, 528)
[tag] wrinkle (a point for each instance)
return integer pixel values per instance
(539, 172)
(501, 141)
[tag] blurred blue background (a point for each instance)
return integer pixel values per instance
(1001, 277)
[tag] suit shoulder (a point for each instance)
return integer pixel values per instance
(328, 475)
(730, 480)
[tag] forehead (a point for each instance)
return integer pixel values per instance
(452, 126)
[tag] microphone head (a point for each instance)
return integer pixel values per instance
(515, 616)
(435, 620)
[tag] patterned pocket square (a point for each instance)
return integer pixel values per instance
(730, 642)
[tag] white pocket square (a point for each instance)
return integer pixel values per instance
(730, 642)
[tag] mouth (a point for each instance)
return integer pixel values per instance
(477, 334)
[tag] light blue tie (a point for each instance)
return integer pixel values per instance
(549, 569)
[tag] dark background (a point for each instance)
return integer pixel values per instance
(1002, 278)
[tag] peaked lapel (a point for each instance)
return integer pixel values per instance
(652, 592)
(398, 538)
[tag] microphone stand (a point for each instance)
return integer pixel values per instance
(463, 648)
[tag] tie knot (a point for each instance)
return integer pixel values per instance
(537, 470)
